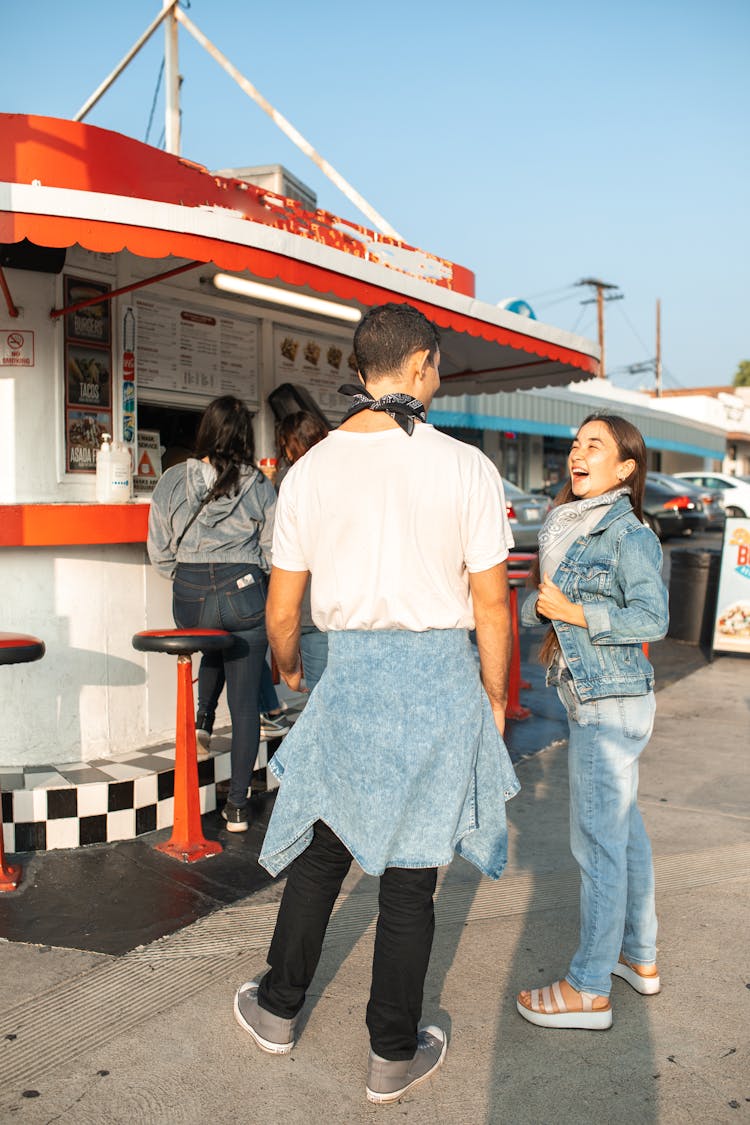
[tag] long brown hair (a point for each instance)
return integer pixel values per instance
(225, 436)
(630, 447)
(297, 433)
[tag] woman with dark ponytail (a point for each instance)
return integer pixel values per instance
(210, 530)
(601, 592)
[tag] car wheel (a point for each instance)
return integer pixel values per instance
(653, 524)
(735, 513)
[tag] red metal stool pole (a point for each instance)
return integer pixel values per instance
(514, 709)
(15, 648)
(523, 559)
(187, 842)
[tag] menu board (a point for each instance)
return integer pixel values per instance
(195, 351)
(88, 372)
(732, 626)
(321, 362)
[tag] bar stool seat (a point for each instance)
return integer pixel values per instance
(18, 648)
(182, 642)
(15, 648)
(187, 842)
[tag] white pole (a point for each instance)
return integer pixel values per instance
(98, 93)
(286, 127)
(171, 81)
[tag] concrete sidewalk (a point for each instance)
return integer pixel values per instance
(150, 1037)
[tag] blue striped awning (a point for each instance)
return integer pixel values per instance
(559, 412)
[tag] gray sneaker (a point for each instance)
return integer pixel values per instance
(272, 1033)
(388, 1081)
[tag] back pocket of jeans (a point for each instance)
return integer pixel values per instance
(248, 604)
(187, 605)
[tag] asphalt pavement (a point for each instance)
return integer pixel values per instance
(129, 1018)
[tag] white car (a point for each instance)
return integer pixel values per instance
(735, 491)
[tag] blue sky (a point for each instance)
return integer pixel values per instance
(535, 144)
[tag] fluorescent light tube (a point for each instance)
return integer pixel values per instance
(240, 286)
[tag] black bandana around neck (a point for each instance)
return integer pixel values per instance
(402, 408)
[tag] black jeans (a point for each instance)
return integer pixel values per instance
(403, 941)
(208, 596)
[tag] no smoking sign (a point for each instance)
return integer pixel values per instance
(16, 348)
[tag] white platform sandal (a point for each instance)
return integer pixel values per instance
(546, 1007)
(643, 978)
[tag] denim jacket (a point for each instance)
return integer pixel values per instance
(614, 573)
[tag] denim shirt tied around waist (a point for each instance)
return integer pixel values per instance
(614, 573)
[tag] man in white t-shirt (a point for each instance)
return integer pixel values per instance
(397, 760)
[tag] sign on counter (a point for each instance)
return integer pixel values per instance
(732, 627)
(183, 348)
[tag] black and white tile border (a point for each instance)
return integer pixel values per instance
(104, 800)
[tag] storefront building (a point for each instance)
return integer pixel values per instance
(528, 434)
(126, 305)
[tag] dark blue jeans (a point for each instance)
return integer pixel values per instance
(229, 596)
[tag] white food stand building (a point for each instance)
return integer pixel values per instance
(117, 263)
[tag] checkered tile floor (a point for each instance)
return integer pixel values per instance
(106, 799)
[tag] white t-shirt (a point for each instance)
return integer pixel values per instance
(390, 526)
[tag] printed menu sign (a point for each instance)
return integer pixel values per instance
(83, 437)
(89, 377)
(88, 373)
(732, 626)
(320, 362)
(181, 348)
(92, 323)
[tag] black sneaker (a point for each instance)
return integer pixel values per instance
(235, 817)
(204, 725)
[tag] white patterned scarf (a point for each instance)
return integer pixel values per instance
(565, 523)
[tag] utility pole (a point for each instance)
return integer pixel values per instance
(600, 287)
(657, 364)
(171, 81)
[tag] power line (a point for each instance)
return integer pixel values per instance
(550, 292)
(153, 103)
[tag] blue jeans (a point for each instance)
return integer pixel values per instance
(313, 646)
(607, 835)
(207, 595)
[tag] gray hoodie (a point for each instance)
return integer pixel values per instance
(229, 529)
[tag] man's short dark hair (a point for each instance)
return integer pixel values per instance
(387, 335)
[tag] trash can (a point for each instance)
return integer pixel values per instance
(693, 585)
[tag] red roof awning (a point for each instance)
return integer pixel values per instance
(63, 183)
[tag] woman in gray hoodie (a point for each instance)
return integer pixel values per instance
(210, 530)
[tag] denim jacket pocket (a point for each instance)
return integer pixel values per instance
(589, 583)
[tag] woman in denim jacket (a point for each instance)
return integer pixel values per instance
(601, 590)
(210, 529)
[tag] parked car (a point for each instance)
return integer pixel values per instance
(526, 514)
(713, 509)
(668, 513)
(735, 490)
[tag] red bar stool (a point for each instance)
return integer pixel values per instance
(15, 648)
(187, 842)
(517, 576)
